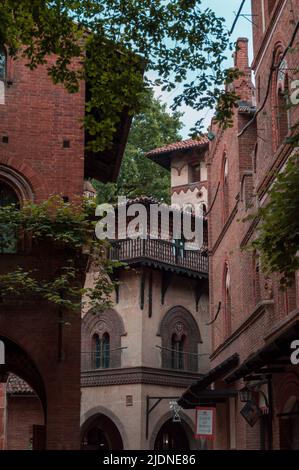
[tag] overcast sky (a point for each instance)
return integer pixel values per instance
(228, 10)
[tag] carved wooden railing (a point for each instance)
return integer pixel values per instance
(159, 250)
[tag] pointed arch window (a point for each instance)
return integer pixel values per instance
(225, 174)
(101, 351)
(177, 352)
(8, 239)
(280, 101)
(227, 300)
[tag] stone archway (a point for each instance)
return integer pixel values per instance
(100, 432)
(18, 362)
(183, 431)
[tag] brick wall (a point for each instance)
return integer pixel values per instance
(252, 155)
(37, 117)
(23, 412)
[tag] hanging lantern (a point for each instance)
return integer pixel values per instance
(245, 394)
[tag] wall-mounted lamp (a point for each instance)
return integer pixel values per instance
(245, 394)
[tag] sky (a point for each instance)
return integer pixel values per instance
(228, 10)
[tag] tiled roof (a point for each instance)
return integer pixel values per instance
(17, 386)
(246, 107)
(182, 145)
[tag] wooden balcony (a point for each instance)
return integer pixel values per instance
(161, 254)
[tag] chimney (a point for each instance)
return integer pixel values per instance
(241, 55)
(243, 84)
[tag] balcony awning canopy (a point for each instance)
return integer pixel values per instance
(276, 349)
(197, 394)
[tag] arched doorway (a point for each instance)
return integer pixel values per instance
(25, 375)
(289, 425)
(171, 436)
(100, 433)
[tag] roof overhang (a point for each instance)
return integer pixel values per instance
(197, 394)
(269, 355)
(164, 156)
(104, 166)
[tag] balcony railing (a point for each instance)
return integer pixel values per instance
(93, 360)
(162, 251)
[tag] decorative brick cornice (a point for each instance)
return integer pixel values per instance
(183, 188)
(138, 375)
(249, 232)
(225, 228)
(258, 312)
(267, 34)
(281, 156)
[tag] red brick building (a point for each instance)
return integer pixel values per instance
(253, 321)
(42, 153)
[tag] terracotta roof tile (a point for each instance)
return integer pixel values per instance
(183, 144)
(17, 386)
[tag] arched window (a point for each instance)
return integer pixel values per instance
(101, 340)
(106, 350)
(8, 240)
(2, 64)
(282, 115)
(227, 300)
(225, 188)
(101, 351)
(177, 352)
(280, 101)
(256, 280)
(180, 339)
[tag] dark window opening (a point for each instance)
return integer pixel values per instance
(225, 189)
(177, 352)
(8, 239)
(227, 301)
(101, 349)
(195, 173)
(282, 116)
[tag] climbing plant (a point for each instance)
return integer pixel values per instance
(278, 230)
(68, 227)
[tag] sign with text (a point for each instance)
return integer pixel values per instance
(205, 423)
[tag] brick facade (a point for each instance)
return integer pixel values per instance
(257, 308)
(42, 154)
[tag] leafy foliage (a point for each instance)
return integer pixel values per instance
(278, 237)
(110, 43)
(139, 176)
(70, 229)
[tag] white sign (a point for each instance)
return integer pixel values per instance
(205, 423)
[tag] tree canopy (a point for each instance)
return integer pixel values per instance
(278, 234)
(139, 176)
(115, 43)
